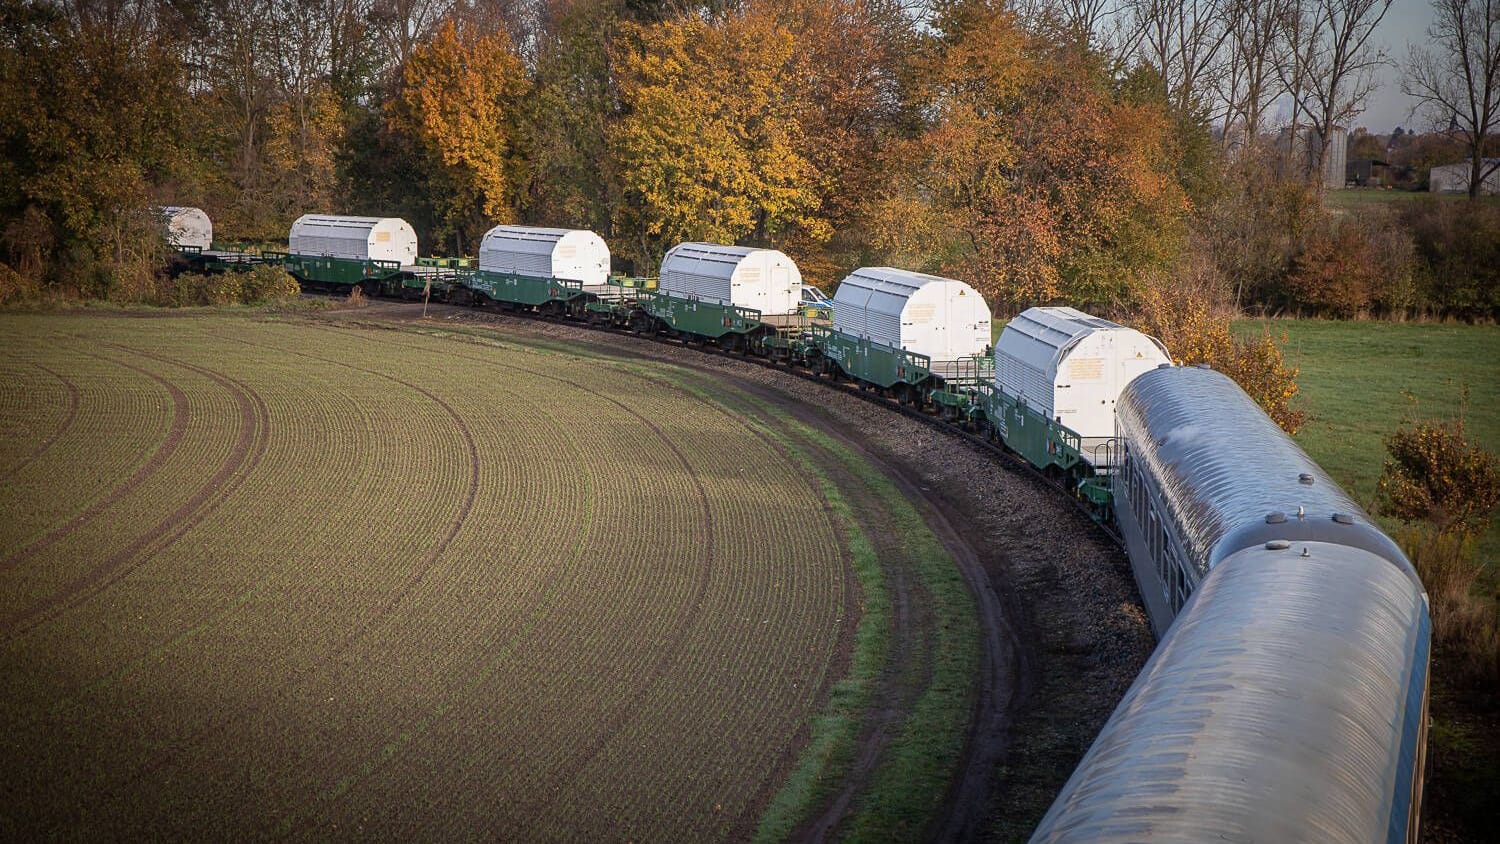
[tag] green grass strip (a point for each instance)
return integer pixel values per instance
(835, 730)
(920, 763)
(916, 769)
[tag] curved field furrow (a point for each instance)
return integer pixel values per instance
(158, 458)
(70, 413)
(666, 649)
(247, 448)
(441, 589)
(339, 786)
(246, 452)
(612, 718)
(605, 726)
(412, 577)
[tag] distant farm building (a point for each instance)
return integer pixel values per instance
(1300, 145)
(1454, 178)
(1368, 173)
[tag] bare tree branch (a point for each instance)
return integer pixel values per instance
(1456, 77)
(1329, 66)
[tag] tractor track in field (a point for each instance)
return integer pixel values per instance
(1004, 662)
(74, 400)
(1002, 665)
(1063, 631)
(175, 433)
(896, 698)
(249, 446)
(162, 759)
(470, 494)
(673, 646)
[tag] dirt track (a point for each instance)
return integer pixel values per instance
(1063, 631)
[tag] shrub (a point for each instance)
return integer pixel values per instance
(265, 283)
(15, 287)
(225, 289)
(1435, 475)
(1251, 233)
(181, 291)
(1187, 314)
(1352, 264)
(1465, 626)
(1457, 246)
(1256, 364)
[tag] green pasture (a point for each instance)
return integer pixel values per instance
(1362, 380)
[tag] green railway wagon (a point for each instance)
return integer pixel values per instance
(374, 276)
(871, 362)
(435, 278)
(517, 289)
(963, 388)
(618, 303)
(216, 259)
(704, 319)
(1054, 449)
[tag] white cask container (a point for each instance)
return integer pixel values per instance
(765, 280)
(354, 238)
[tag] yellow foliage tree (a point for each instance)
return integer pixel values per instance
(1054, 185)
(1182, 310)
(710, 147)
(459, 100)
(301, 146)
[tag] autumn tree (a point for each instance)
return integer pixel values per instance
(1329, 67)
(1186, 311)
(95, 95)
(1182, 41)
(710, 145)
(570, 178)
(1249, 84)
(1045, 180)
(459, 102)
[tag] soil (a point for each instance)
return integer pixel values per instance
(1064, 633)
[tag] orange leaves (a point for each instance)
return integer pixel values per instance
(1435, 474)
(1058, 188)
(714, 144)
(1182, 313)
(301, 144)
(459, 99)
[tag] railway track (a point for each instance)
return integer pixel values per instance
(964, 818)
(980, 440)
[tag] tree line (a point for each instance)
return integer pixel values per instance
(1084, 151)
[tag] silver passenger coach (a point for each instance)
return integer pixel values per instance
(1287, 699)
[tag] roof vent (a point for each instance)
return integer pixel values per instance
(1305, 552)
(1275, 518)
(1278, 545)
(1305, 478)
(1343, 518)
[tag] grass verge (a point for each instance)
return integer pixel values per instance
(916, 769)
(1361, 380)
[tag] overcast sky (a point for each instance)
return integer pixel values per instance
(1406, 23)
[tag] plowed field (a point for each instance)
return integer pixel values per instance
(267, 579)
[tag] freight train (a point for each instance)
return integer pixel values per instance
(1287, 696)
